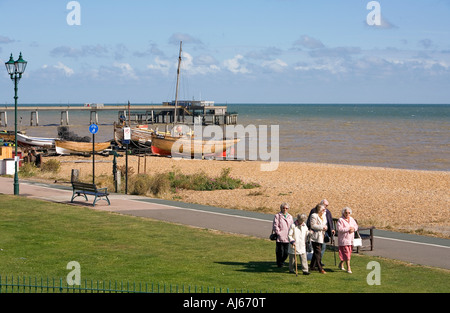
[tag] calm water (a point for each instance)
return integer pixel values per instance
(399, 136)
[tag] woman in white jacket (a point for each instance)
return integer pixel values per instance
(318, 227)
(298, 234)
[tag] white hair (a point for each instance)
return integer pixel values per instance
(284, 205)
(302, 217)
(346, 209)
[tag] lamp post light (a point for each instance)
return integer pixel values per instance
(15, 70)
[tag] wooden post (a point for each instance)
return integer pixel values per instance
(75, 175)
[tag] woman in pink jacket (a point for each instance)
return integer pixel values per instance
(281, 224)
(346, 227)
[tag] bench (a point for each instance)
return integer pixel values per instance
(89, 189)
(366, 234)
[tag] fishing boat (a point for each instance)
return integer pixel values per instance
(140, 134)
(75, 147)
(189, 146)
(29, 141)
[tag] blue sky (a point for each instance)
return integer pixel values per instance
(235, 51)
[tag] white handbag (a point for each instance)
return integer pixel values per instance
(357, 241)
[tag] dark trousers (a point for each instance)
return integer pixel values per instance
(281, 252)
(317, 256)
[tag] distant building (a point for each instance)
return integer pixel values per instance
(94, 105)
(191, 103)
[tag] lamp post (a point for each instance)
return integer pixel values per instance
(15, 70)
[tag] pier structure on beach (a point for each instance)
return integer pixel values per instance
(191, 112)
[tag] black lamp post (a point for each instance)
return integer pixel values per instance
(15, 70)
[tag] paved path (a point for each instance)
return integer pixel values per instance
(415, 249)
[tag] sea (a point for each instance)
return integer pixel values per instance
(405, 136)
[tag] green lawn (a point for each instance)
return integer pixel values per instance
(39, 238)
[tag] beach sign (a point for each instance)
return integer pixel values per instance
(93, 129)
(126, 135)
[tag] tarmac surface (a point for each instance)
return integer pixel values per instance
(415, 249)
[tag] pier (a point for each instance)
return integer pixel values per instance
(185, 112)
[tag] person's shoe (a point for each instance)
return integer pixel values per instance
(342, 268)
(322, 272)
(350, 272)
(306, 273)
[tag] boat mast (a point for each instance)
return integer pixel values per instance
(178, 79)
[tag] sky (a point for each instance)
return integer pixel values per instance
(233, 51)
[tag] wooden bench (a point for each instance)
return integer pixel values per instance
(366, 234)
(89, 189)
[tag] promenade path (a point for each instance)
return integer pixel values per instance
(423, 250)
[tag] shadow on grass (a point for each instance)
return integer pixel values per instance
(264, 267)
(255, 267)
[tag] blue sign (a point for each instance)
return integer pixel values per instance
(93, 128)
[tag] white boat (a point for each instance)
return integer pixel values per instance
(29, 141)
(73, 147)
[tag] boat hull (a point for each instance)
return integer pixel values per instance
(173, 146)
(73, 147)
(27, 141)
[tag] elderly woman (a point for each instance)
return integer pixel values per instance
(346, 227)
(298, 234)
(281, 223)
(318, 228)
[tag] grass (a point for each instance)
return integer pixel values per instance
(39, 238)
(143, 184)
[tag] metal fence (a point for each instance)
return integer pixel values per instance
(59, 285)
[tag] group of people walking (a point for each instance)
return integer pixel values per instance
(311, 234)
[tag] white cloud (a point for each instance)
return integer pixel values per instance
(67, 70)
(331, 66)
(190, 67)
(276, 65)
(127, 70)
(234, 66)
(161, 65)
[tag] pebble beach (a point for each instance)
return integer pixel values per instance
(393, 199)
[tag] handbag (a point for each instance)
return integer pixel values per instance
(309, 248)
(357, 241)
(273, 236)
